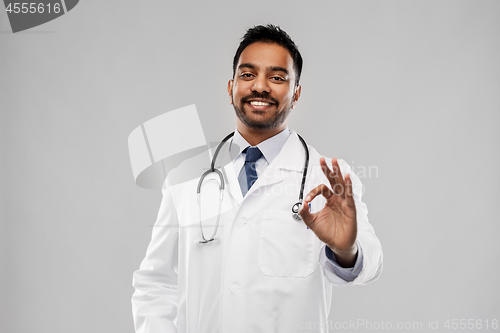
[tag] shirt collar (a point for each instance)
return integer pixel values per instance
(270, 148)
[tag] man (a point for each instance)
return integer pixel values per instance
(266, 271)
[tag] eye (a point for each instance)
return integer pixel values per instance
(277, 78)
(246, 75)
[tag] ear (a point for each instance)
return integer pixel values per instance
(230, 91)
(296, 95)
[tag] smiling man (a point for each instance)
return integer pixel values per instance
(263, 67)
(270, 268)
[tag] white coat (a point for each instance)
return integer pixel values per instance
(266, 273)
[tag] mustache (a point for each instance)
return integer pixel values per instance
(260, 95)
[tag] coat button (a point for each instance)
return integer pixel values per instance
(234, 288)
(241, 222)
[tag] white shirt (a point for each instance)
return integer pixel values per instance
(266, 273)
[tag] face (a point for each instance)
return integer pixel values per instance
(263, 89)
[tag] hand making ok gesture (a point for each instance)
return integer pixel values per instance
(335, 225)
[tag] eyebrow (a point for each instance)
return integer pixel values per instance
(272, 68)
(246, 65)
(279, 69)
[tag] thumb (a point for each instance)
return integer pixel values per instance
(306, 215)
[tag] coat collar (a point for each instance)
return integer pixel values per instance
(292, 156)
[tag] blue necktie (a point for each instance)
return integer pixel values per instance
(253, 154)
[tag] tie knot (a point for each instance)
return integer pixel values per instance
(253, 154)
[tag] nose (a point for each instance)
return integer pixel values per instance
(261, 85)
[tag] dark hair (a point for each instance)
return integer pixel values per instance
(270, 34)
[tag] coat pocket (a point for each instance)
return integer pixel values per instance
(286, 246)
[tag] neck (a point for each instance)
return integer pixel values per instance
(256, 136)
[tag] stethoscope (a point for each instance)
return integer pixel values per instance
(295, 208)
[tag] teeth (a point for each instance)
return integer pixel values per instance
(259, 103)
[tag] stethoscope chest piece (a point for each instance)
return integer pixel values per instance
(295, 211)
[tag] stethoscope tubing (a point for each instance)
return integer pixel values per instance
(295, 208)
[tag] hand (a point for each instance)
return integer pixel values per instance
(335, 225)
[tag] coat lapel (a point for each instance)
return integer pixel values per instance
(232, 184)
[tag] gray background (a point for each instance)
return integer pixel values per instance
(411, 87)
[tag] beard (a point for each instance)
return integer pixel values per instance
(277, 118)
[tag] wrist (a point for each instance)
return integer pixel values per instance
(346, 258)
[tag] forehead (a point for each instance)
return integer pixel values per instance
(265, 55)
